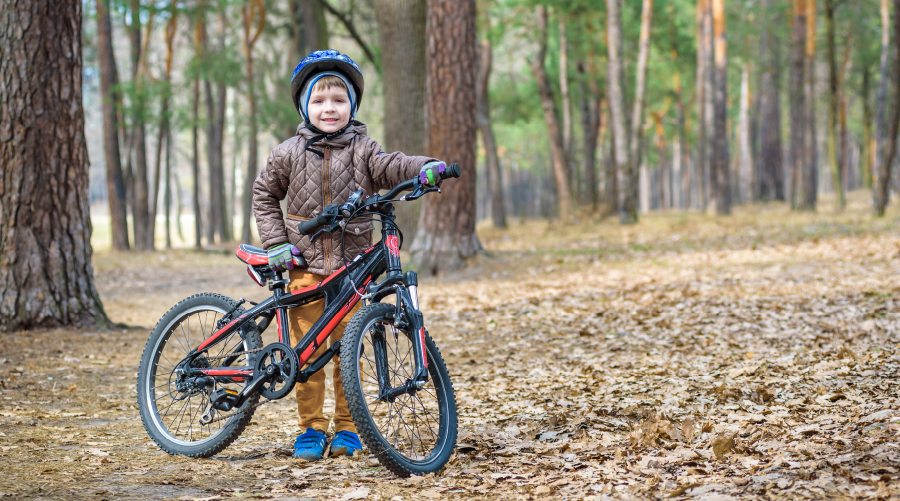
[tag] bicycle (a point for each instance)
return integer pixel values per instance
(204, 369)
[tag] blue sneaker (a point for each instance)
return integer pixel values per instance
(310, 445)
(345, 443)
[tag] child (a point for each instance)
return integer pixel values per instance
(329, 158)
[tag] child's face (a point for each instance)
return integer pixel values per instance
(329, 109)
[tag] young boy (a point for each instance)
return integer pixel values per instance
(328, 159)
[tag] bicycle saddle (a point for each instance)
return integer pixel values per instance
(256, 256)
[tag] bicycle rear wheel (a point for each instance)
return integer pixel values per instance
(171, 414)
(414, 433)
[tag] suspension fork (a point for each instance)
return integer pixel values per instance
(407, 317)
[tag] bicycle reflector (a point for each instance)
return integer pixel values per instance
(254, 275)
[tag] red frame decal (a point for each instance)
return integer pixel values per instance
(422, 338)
(216, 336)
(393, 245)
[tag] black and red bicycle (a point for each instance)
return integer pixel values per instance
(204, 369)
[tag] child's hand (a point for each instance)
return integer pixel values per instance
(430, 174)
(281, 257)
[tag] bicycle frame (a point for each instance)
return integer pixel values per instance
(340, 297)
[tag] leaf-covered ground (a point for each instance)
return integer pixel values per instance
(688, 357)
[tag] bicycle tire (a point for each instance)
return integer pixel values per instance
(398, 454)
(153, 373)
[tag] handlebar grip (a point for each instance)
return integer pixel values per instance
(307, 227)
(452, 171)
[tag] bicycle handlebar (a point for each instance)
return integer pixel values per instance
(329, 213)
(307, 227)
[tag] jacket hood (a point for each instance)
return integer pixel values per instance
(355, 129)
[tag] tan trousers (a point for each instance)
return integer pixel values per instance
(311, 394)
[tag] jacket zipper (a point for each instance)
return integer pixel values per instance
(327, 187)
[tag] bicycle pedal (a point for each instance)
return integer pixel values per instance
(224, 399)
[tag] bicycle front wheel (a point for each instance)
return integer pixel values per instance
(411, 433)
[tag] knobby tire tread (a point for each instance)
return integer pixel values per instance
(253, 339)
(356, 400)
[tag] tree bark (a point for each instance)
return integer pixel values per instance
(625, 182)
(881, 167)
(447, 238)
(703, 35)
(115, 184)
(401, 27)
(834, 166)
(566, 105)
(810, 180)
(884, 171)
(709, 94)
(745, 168)
(253, 10)
(628, 212)
(866, 163)
(551, 116)
(143, 238)
(164, 135)
(798, 105)
(720, 157)
(591, 116)
(498, 215)
(46, 275)
(771, 159)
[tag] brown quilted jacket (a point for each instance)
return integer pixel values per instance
(352, 161)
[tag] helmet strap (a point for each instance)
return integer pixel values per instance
(326, 136)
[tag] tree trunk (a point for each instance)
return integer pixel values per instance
(720, 157)
(214, 123)
(881, 166)
(115, 184)
(498, 215)
(702, 78)
(745, 168)
(709, 94)
(447, 238)
(164, 120)
(195, 165)
(771, 160)
(628, 213)
(798, 105)
(566, 105)
(168, 193)
(624, 180)
(143, 237)
(551, 116)
(834, 166)
(591, 116)
(884, 171)
(401, 27)
(681, 159)
(810, 180)
(250, 12)
(315, 27)
(46, 275)
(866, 163)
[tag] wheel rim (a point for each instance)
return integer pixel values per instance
(178, 418)
(412, 425)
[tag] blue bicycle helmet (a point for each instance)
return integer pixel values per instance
(326, 60)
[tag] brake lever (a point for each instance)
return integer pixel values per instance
(418, 192)
(331, 227)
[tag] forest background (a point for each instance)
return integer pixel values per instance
(715, 104)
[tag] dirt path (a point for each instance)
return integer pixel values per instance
(687, 357)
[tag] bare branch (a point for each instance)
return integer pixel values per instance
(353, 33)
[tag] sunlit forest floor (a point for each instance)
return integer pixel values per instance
(688, 357)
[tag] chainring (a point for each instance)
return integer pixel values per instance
(282, 362)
